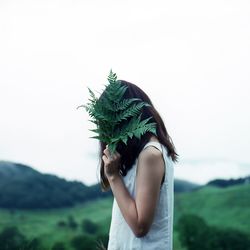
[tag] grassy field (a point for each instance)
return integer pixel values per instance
(228, 207)
(224, 207)
(43, 223)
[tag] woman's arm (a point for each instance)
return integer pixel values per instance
(139, 213)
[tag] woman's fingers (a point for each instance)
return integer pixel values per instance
(105, 160)
(111, 163)
(108, 154)
(104, 157)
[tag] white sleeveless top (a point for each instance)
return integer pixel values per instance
(160, 235)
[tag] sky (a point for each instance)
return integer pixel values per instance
(191, 57)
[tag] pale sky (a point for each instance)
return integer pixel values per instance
(191, 57)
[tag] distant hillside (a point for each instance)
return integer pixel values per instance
(23, 187)
(184, 186)
(230, 182)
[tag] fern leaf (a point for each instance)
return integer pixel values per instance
(125, 103)
(111, 109)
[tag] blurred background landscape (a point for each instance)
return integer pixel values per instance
(191, 57)
(43, 211)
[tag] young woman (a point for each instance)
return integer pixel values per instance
(141, 177)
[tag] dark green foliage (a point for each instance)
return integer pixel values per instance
(12, 239)
(61, 223)
(102, 241)
(72, 223)
(195, 234)
(192, 231)
(229, 239)
(59, 246)
(85, 242)
(34, 244)
(89, 226)
(110, 110)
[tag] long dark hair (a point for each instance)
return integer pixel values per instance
(130, 152)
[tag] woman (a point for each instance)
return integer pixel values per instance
(141, 176)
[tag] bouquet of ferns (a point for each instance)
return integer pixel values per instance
(110, 110)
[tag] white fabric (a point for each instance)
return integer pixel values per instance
(160, 235)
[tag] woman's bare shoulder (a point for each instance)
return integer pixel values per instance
(151, 153)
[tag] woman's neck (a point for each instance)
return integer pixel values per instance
(153, 138)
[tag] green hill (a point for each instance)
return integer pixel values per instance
(53, 225)
(26, 188)
(184, 186)
(230, 182)
(23, 187)
(224, 207)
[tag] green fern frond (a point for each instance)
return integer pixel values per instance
(110, 110)
(112, 77)
(136, 128)
(125, 103)
(133, 110)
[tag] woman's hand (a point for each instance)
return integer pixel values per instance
(111, 164)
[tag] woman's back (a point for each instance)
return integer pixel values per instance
(160, 235)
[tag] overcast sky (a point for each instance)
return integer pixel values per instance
(191, 57)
